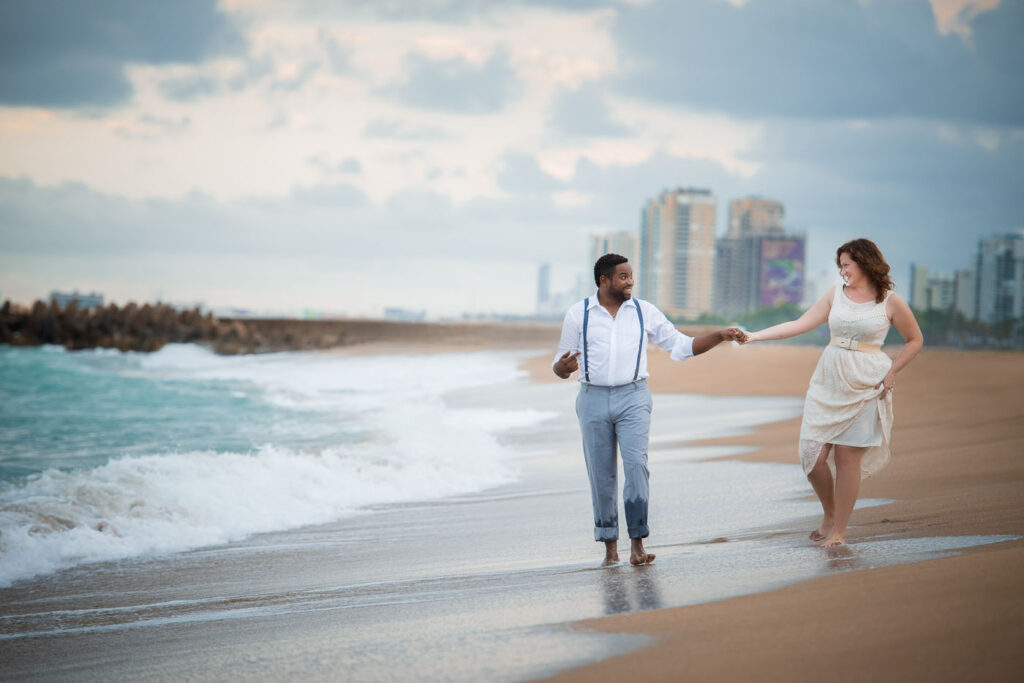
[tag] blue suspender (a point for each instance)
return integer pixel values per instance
(586, 316)
(639, 351)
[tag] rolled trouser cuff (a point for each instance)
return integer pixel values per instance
(606, 533)
(639, 532)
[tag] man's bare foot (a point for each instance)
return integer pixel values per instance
(823, 531)
(833, 540)
(611, 553)
(638, 555)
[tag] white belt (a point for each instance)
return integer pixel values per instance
(854, 345)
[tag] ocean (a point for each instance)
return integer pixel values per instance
(107, 455)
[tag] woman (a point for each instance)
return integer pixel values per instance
(848, 410)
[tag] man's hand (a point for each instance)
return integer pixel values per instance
(567, 364)
(734, 334)
(710, 341)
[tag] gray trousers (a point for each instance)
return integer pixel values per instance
(609, 417)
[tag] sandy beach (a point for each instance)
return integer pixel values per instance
(958, 469)
(503, 583)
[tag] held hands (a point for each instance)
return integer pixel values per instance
(567, 364)
(887, 384)
(735, 334)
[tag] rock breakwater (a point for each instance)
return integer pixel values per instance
(148, 327)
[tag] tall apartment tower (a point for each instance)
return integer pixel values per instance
(755, 216)
(757, 264)
(1000, 278)
(919, 287)
(964, 300)
(543, 286)
(677, 247)
(623, 243)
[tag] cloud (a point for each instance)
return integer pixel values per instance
(583, 113)
(339, 56)
(333, 195)
(148, 127)
(955, 16)
(400, 130)
(521, 174)
(190, 88)
(809, 59)
(349, 165)
(455, 85)
(64, 53)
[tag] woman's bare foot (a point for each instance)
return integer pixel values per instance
(833, 540)
(823, 531)
(638, 555)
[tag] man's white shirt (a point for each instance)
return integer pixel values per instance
(612, 343)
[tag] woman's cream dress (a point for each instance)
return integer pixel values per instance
(842, 405)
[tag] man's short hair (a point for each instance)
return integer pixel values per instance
(606, 266)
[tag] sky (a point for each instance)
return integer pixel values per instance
(348, 157)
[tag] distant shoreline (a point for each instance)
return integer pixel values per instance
(149, 327)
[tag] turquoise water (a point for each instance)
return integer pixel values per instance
(78, 410)
(107, 455)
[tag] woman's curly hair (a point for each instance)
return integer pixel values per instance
(868, 256)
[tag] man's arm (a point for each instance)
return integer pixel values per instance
(681, 346)
(565, 362)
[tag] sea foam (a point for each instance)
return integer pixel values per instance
(408, 446)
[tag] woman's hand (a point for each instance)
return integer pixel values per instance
(887, 384)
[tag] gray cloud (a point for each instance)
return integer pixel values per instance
(811, 59)
(521, 174)
(190, 88)
(64, 53)
(583, 113)
(338, 56)
(455, 85)
(350, 165)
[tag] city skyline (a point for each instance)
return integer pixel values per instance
(429, 156)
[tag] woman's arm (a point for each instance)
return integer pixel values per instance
(905, 322)
(814, 316)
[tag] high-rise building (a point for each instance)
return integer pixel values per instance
(623, 243)
(757, 264)
(543, 287)
(755, 216)
(999, 289)
(919, 287)
(941, 292)
(963, 293)
(677, 247)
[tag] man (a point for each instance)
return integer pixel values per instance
(610, 331)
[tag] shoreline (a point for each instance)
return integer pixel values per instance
(956, 471)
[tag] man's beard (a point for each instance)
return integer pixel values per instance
(620, 295)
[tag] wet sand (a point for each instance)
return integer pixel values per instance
(958, 469)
